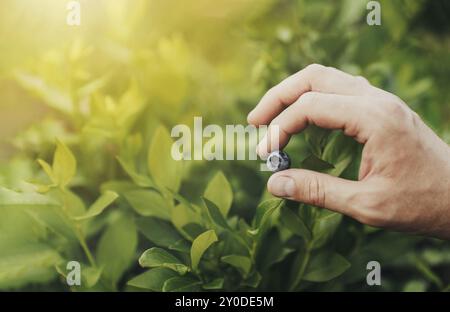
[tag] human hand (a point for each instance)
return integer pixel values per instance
(404, 177)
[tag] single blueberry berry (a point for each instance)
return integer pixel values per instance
(278, 161)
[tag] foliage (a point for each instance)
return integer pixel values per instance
(93, 181)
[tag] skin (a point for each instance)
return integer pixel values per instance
(404, 177)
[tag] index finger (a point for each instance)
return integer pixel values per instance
(312, 78)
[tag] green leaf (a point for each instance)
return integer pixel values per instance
(219, 192)
(160, 232)
(182, 245)
(253, 280)
(72, 203)
(51, 96)
(64, 164)
(181, 284)
(9, 198)
(192, 230)
(90, 276)
(415, 286)
(263, 213)
(428, 273)
(316, 138)
(153, 279)
(183, 216)
(272, 251)
(325, 226)
(183, 201)
(262, 210)
(149, 202)
(138, 179)
(98, 206)
(241, 263)
(294, 223)
(26, 264)
(157, 257)
(48, 170)
(312, 162)
(215, 284)
(116, 248)
(340, 151)
(165, 171)
(200, 245)
(325, 266)
(215, 214)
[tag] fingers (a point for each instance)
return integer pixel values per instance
(330, 111)
(316, 189)
(312, 78)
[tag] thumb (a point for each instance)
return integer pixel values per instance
(314, 188)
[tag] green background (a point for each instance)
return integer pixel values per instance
(110, 87)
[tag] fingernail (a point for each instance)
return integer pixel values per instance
(282, 186)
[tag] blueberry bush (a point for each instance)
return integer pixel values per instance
(86, 172)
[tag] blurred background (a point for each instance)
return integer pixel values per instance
(133, 64)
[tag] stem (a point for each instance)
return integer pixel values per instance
(85, 247)
(78, 232)
(303, 265)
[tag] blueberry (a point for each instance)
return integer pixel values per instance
(278, 161)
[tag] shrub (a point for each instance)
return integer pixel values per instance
(108, 194)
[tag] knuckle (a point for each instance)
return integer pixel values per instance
(396, 110)
(362, 80)
(272, 92)
(393, 113)
(314, 69)
(314, 191)
(313, 66)
(309, 98)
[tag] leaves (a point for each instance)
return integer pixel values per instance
(181, 284)
(100, 204)
(160, 232)
(116, 249)
(9, 198)
(149, 202)
(64, 164)
(263, 214)
(28, 263)
(139, 179)
(242, 263)
(153, 279)
(312, 162)
(219, 192)
(113, 123)
(157, 257)
(272, 251)
(200, 245)
(294, 223)
(316, 137)
(325, 266)
(52, 96)
(185, 220)
(214, 284)
(325, 226)
(165, 171)
(90, 276)
(215, 214)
